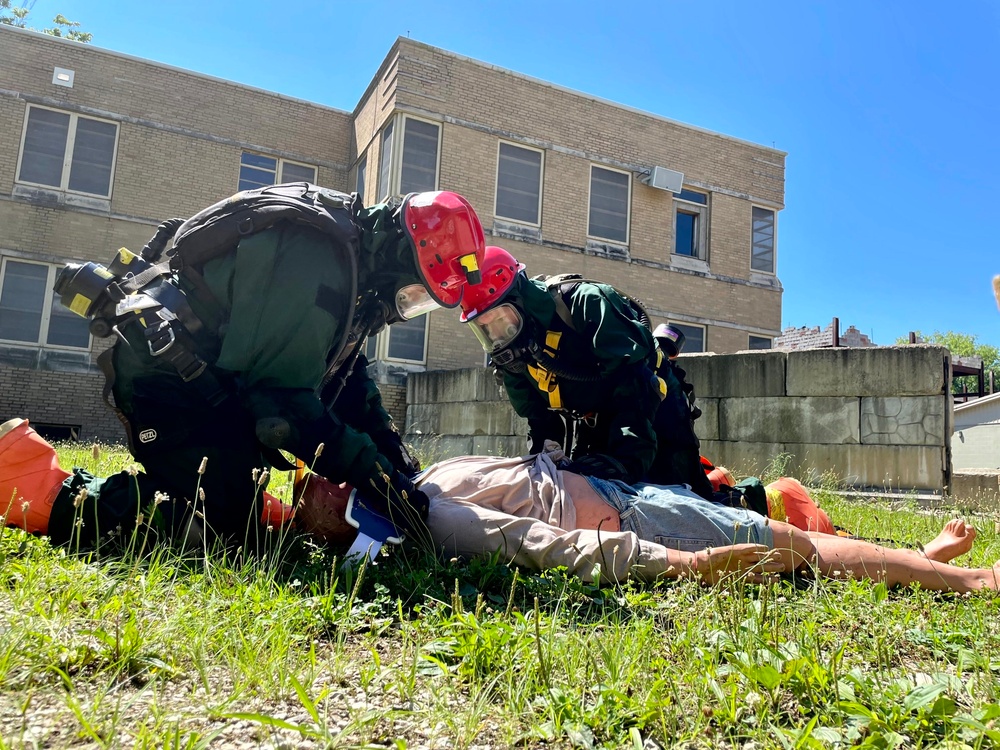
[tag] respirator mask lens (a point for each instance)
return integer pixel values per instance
(414, 300)
(498, 327)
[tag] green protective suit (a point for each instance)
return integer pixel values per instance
(292, 304)
(613, 352)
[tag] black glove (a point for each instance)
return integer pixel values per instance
(598, 465)
(396, 497)
(548, 427)
(390, 445)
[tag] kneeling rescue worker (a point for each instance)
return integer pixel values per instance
(246, 341)
(575, 356)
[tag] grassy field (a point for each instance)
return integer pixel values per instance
(151, 649)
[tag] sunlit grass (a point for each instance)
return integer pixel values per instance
(159, 650)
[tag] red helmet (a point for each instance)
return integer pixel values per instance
(500, 269)
(448, 242)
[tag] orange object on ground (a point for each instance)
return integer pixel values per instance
(274, 513)
(799, 509)
(30, 477)
(719, 476)
(321, 509)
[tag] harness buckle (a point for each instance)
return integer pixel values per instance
(164, 340)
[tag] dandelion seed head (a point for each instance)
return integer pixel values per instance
(139, 519)
(95, 451)
(204, 463)
(264, 476)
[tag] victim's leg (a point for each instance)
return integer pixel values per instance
(955, 539)
(853, 558)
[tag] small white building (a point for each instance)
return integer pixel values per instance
(975, 444)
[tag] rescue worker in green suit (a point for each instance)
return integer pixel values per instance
(261, 351)
(678, 450)
(573, 355)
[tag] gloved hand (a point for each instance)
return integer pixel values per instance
(390, 445)
(396, 497)
(598, 465)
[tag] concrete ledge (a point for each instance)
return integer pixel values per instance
(889, 467)
(757, 373)
(469, 418)
(817, 419)
(980, 485)
(707, 425)
(451, 386)
(913, 370)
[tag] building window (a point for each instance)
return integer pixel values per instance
(691, 224)
(385, 163)
(408, 340)
(420, 156)
(694, 337)
(519, 184)
(414, 167)
(362, 173)
(68, 152)
(257, 171)
(762, 253)
(402, 342)
(760, 342)
(30, 313)
(609, 204)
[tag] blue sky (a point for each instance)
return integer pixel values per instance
(889, 112)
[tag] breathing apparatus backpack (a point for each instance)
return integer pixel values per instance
(143, 290)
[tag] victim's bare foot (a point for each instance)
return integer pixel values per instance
(955, 539)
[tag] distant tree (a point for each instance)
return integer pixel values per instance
(15, 16)
(964, 345)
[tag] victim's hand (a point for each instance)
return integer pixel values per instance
(755, 560)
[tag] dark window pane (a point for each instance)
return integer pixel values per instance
(44, 147)
(762, 258)
(370, 348)
(385, 163)
(608, 205)
(21, 301)
(760, 342)
(686, 234)
(362, 170)
(420, 151)
(694, 337)
(693, 196)
(519, 173)
(67, 328)
(93, 154)
(406, 339)
(251, 178)
(297, 173)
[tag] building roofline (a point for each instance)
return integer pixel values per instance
(574, 92)
(968, 405)
(165, 66)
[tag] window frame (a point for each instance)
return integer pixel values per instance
(69, 147)
(774, 240)
(768, 339)
(702, 214)
(541, 184)
(48, 300)
(361, 176)
(628, 205)
(704, 335)
(279, 168)
(382, 341)
(397, 148)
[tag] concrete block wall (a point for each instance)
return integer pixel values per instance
(875, 418)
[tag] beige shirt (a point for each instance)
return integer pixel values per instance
(535, 515)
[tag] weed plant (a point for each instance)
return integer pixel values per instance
(155, 648)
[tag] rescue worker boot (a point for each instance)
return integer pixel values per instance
(30, 477)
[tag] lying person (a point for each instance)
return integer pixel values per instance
(539, 516)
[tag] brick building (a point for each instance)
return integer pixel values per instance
(97, 147)
(812, 338)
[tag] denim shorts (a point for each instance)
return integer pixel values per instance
(677, 518)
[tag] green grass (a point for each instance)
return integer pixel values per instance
(162, 651)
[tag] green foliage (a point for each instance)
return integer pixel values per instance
(12, 15)
(964, 345)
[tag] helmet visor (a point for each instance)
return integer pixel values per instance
(414, 300)
(498, 327)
